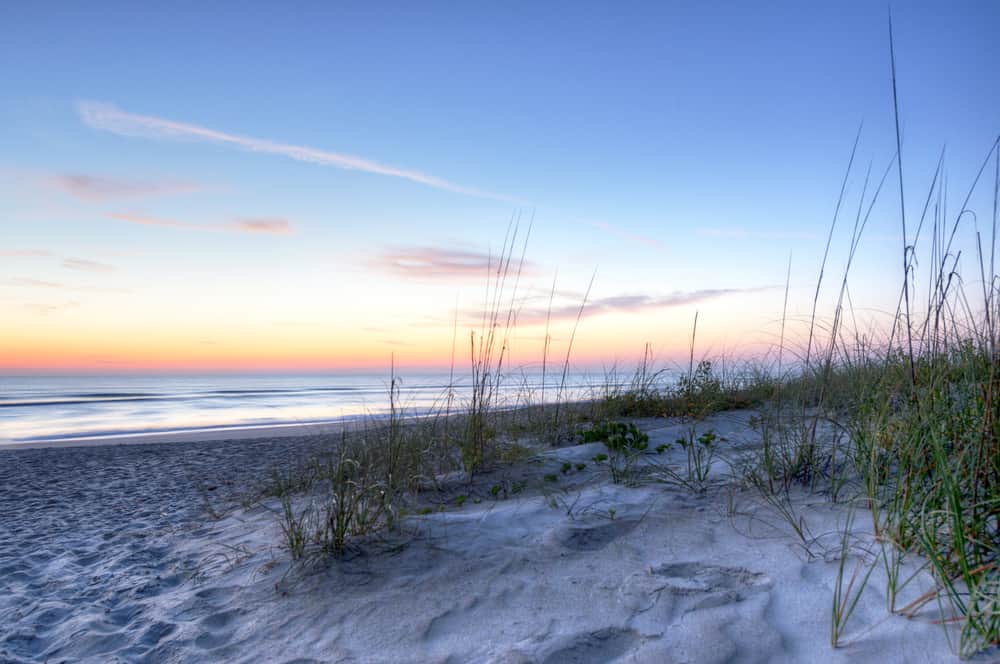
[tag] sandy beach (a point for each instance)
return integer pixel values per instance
(466, 332)
(153, 553)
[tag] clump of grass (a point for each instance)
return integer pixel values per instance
(845, 599)
(641, 396)
(489, 422)
(489, 351)
(359, 485)
(293, 527)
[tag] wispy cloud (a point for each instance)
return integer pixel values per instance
(96, 188)
(631, 304)
(638, 238)
(33, 283)
(86, 265)
(24, 253)
(146, 220)
(108, 117)
(745, 234)
(396, 343)
(44, 309)
(70, 263)
(265, 225)
(270, 225)
(439, 263)
(28, 282)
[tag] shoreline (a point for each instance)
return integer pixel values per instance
(247, 431)
(70, 412)
(198, 435)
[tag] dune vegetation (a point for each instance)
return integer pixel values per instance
(902, 423)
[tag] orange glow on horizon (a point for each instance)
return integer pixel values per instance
(600, 341)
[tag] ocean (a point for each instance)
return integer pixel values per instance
(43, 407)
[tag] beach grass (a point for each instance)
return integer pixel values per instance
(907, 421)
(904, 423)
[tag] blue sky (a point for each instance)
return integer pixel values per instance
(676, 148)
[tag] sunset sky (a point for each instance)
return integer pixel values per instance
(317, 186)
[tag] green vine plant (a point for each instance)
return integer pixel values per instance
(625, 444)
(699, 452)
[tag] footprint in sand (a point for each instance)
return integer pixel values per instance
(593, 538)
(156, 633)
(679, 588)
(217, 628)
(593, 647)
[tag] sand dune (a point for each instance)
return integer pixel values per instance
(107, 554)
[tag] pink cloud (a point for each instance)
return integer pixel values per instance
(23, 253)
(27, 282)
(86, 265)
(631, 304)
(34, 283)
(42, 309)
(437, 263)
(96, 188)
(156, 221)
(264, 225)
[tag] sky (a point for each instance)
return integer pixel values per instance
(328, 186)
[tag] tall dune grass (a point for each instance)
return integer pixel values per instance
(911, 418)
(905, 423)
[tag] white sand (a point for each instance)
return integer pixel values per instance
(106, 555)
